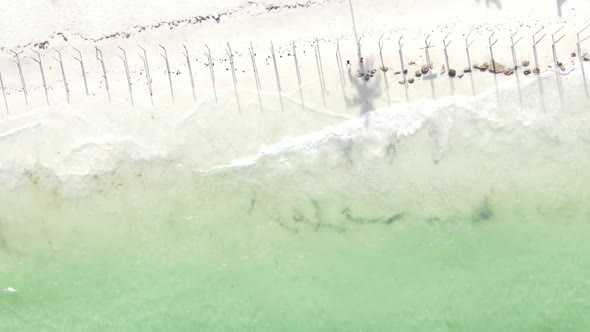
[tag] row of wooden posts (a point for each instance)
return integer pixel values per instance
(556, 37)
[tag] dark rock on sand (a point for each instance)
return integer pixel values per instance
(527, 72)
(467, 70)
(509, 72)
(497, 68)
(411, 80)
(384, 68)
(537, 71)
(424, 69)
(405, 71)
(397, 72)
(452, 72)
(483, 67)
(526, 63)
(418, 73)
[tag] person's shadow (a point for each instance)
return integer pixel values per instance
(367, 90)
(495, 2)
(559, 4)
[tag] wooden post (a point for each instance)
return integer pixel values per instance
(255, 71)
(467, 46)
(356, 38)
(190, 71)
(63, 74)
(22, 77)
(317, 63)
(515, 62)
(578, 44)
(513, 49)
(126, 64)
(359, 45)
(40, 62)
(445, 44)
(4, 93)
(491, 45)
(81, 60)
(274, 61)
(427, 46)
(535, 42)
(165, 56)
(340, 72)
(380, 44)
(148, 74)
(401, 59)
(233, 74)
(323, 78)
(208, 54)
(100, 58)
(254, 66)
(298, 75)
(556, 66)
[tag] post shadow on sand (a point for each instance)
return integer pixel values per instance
(429, 75)
(341, 73)
(384, 70)
(535, 42)
(498, 3)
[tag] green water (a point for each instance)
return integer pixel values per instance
(466, 225)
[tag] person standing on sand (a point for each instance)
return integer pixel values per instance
(496, 2)
(559, 4)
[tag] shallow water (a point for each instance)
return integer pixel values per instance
(476, 220)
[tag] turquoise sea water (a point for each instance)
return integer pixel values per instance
(479, 221)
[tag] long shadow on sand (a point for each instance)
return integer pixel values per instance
(367, 88)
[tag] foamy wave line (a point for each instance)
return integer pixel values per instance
(401, 120)
(404, 119)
